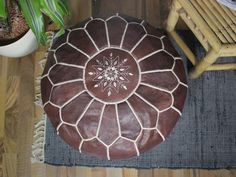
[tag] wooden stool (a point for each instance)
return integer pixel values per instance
(213, 24)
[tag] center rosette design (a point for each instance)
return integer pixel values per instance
(111, 75)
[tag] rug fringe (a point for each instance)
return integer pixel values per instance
(40, 127)
(37, 97)
(39, 141)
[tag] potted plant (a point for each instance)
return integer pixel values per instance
(22, 24)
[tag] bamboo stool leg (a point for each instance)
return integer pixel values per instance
(183, 46)
(173, 16)
(203, 64)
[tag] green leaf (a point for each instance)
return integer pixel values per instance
(64, 7)
(34, 18)
(50, 8)
(61, 7)
(3, 10)
(60, 32)
(33, 11)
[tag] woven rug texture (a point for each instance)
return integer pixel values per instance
(204, 137)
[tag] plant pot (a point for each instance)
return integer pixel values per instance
(21, 47)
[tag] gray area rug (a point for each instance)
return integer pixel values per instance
(204, 137)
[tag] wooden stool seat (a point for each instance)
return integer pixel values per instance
(213, 24)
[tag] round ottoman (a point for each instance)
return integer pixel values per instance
(113, 88)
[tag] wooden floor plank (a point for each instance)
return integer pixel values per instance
(153, 16)
(9, 161)
(3, 91)
(130, 172)
(114, 172)
(83, 171)
(38, 170)
(51, 170)
(162, 172)
(98, 172)
(62, 171)
(105, 8)
(79, 10)
(145, 173)
(26, 116)
(182, 172)
(71, 172)
(153, 11)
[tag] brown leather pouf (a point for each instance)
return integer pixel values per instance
(113, 88)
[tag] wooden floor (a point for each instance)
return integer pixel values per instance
(17, 117)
